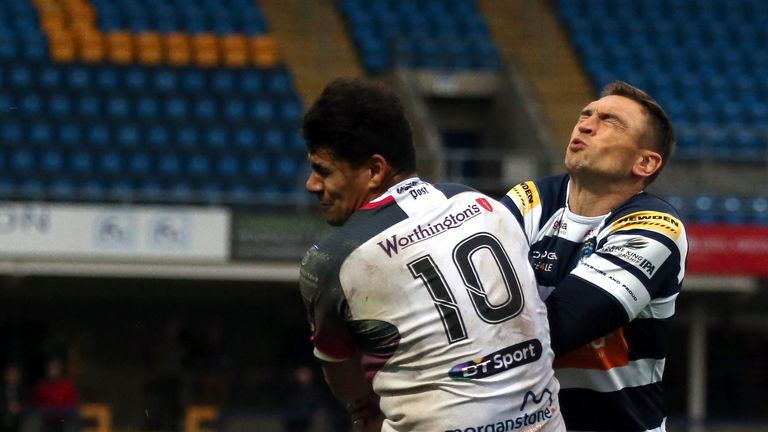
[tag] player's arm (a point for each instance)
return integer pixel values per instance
(348, 383)
(616, 283)
(335, 347)
(580, 312)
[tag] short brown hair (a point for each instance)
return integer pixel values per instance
(662, 136)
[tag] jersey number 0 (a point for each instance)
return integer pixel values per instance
(424, 268)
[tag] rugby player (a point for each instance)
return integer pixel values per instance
(423, 308)
(609, 258)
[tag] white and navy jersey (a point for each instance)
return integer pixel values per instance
(431, 287)
(621, 270)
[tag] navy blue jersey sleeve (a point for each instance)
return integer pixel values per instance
(580, 312)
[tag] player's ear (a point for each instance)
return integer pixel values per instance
(648, 162)
(379, 170)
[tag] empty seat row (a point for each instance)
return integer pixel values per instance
(148, 190)
(32, 75)
(220, 17)
(444, 35)
(722, 209)
(76, 134)
(148, 107)
(80, 164)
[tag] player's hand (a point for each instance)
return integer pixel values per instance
(365, 413)
(368, 424)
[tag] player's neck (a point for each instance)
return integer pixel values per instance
(597, 198)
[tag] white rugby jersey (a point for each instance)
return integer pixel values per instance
(636, 256)
(431, 286)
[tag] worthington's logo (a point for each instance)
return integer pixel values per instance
(453, 220)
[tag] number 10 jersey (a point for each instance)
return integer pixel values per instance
(431, 287)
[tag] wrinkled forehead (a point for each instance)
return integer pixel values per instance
(621, 106)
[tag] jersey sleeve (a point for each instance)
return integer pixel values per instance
(635, 271)
(326, 306)
(579, 312)
(640, 256)
(524, 202)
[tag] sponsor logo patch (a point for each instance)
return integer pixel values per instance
(397, 242)
(484, 204)
(525, 196)
(649, 220)
(499, 361)
(530, 422)
(631, 251)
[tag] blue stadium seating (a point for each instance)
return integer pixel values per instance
(102, 131)
(704, 60)
(432, 34)
(722, 209)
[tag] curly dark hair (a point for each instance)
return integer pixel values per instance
(355, 118)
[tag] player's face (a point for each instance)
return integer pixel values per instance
(605, 143)
(340, 188)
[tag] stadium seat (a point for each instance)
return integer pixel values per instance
(246, 139)
(147, 107)
(188, 137)
(136, 79)
(169, 166)
(22, 161)
(198, 165)
(178, 49)
(149, 49)
(107, 78)
(81, 163)
(205, 50)
(59, 105)
(70, 135)
(128, 136)
(40, 133)
(274, 139)
(165, 80)
(31, 105)
(206, 109)
(110, 163)
(120, 49)
(176, 108)
(20, 76)
(758, 208)
(99, 135)
(139, 164)
(263, 110)
(216, 138)
(228, 167)
(12, 132)
(193, 81)
(158, 136)
(50, 77)
(118, 107)
(89, 106)
(91, 47)
(52, 162)
(234, 110)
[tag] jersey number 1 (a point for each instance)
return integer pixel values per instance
(424, 268)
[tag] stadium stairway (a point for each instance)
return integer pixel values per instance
(314, 44)
(529, 34)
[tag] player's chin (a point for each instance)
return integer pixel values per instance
(333, 219)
